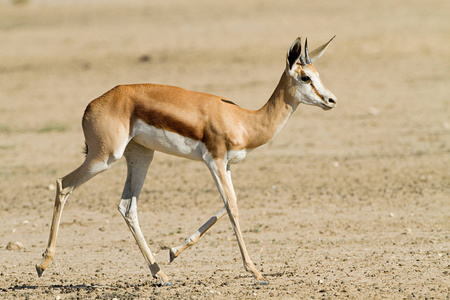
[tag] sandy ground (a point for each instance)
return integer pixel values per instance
(349, 203)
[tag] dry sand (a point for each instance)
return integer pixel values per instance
(349, 203)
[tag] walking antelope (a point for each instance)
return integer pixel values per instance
(136, 120)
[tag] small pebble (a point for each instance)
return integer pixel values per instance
(446, 125)
(373, 111)
(14, 246)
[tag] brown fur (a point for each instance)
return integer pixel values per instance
(199, 116)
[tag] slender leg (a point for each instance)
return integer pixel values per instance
(64, 188)
(60, 200)
(138, 161)
(222, 177)
(193, 238)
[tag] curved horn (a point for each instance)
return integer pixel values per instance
(308, 60)
(302, 60)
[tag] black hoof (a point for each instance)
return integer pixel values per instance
(39, 271)
(261, 282)
(172, 255)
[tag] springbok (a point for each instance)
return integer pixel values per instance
(136, 120)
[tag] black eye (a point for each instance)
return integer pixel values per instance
(305, 78)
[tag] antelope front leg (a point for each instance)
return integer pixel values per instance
(193, 238)
(222, 177)
(248, 263)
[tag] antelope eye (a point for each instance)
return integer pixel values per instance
(305, 78)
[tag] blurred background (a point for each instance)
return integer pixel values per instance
(374, 167)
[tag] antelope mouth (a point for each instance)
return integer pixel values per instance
(327, 105)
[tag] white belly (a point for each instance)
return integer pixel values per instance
(167, 141)
(236, 156)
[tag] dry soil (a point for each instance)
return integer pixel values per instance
(348, 203)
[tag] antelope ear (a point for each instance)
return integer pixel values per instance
(316, 53)
(294, 53)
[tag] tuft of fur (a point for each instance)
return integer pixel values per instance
(85, 149)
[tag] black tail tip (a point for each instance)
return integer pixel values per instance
(85, 149)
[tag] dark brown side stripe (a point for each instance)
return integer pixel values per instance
(167, 121)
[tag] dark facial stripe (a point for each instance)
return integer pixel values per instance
(317, 93)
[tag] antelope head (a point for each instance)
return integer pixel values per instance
(304, 79)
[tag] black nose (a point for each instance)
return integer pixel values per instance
(331, 101)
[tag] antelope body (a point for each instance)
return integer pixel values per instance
(136, 120)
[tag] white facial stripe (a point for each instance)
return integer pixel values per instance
(311, 93)
(318, 86)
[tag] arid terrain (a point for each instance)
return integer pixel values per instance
(348, 203)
